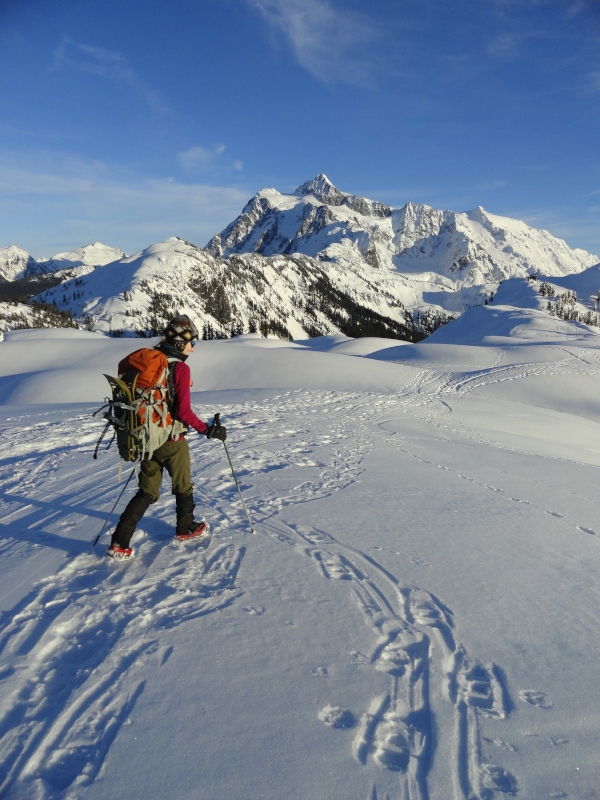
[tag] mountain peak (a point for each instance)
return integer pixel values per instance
(16, 263)
(321, 187)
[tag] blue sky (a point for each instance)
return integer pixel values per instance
(129, 121)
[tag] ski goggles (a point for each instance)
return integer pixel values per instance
(189, 337)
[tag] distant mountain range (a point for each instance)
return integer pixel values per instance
(318, 261)
(16, 264)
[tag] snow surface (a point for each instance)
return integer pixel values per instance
(416, 617)
(91, 255)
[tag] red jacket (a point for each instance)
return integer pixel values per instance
(182, 409)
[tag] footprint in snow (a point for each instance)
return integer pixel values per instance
(500, 743)
(337, 717)
(498, 779)
(480, 688)
(424, 609)
(535, 698)
(254, 611)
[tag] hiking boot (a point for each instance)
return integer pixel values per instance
(119, 553)
(184, 504)
(196, 529)
(134, 511)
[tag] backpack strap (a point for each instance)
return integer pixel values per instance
(172, 363)
(178, 428)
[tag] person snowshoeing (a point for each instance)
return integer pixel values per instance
(174, 455)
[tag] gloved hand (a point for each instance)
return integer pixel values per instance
(216, 432)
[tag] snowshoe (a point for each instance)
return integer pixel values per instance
(196, 529)
(119, 553)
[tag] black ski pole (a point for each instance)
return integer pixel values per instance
(217, 422)
(113, 508)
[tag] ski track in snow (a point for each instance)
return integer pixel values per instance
(413, 630)
(415, 645)
(70, 650)
(71, 647)
(429, 395)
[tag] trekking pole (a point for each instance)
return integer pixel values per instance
(113, 508)
(217, 422)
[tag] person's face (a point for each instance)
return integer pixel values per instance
(189, 348)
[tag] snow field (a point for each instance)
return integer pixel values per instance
(416, 618)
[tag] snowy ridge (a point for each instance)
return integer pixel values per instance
(92, 255)
(288, 297)
(16, 263)
(467, 249)
(312, 263)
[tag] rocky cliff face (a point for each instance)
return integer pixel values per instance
(468, 249)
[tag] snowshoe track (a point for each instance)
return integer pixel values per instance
(73, 648)
(416, 647)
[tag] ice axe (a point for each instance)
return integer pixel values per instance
(217, 422)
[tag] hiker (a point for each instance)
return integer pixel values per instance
(174, 455)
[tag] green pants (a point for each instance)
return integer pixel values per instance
(175, 458)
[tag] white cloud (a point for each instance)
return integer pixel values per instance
(200, 158)
(106, 64)
(51, 202)
(331, 44)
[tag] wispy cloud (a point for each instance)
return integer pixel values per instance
(330, 43)
(505, 44)
(106, 64)
(589, 8)
(51, 202)
(200, 159)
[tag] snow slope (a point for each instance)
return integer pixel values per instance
(91, 255)
(415, 618)
(285, 297)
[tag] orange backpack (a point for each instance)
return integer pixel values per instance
(138, 408)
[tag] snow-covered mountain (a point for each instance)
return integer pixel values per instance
(453, 250)
(291, 297)
(316, 262)
(92, 255)
(16, 263)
